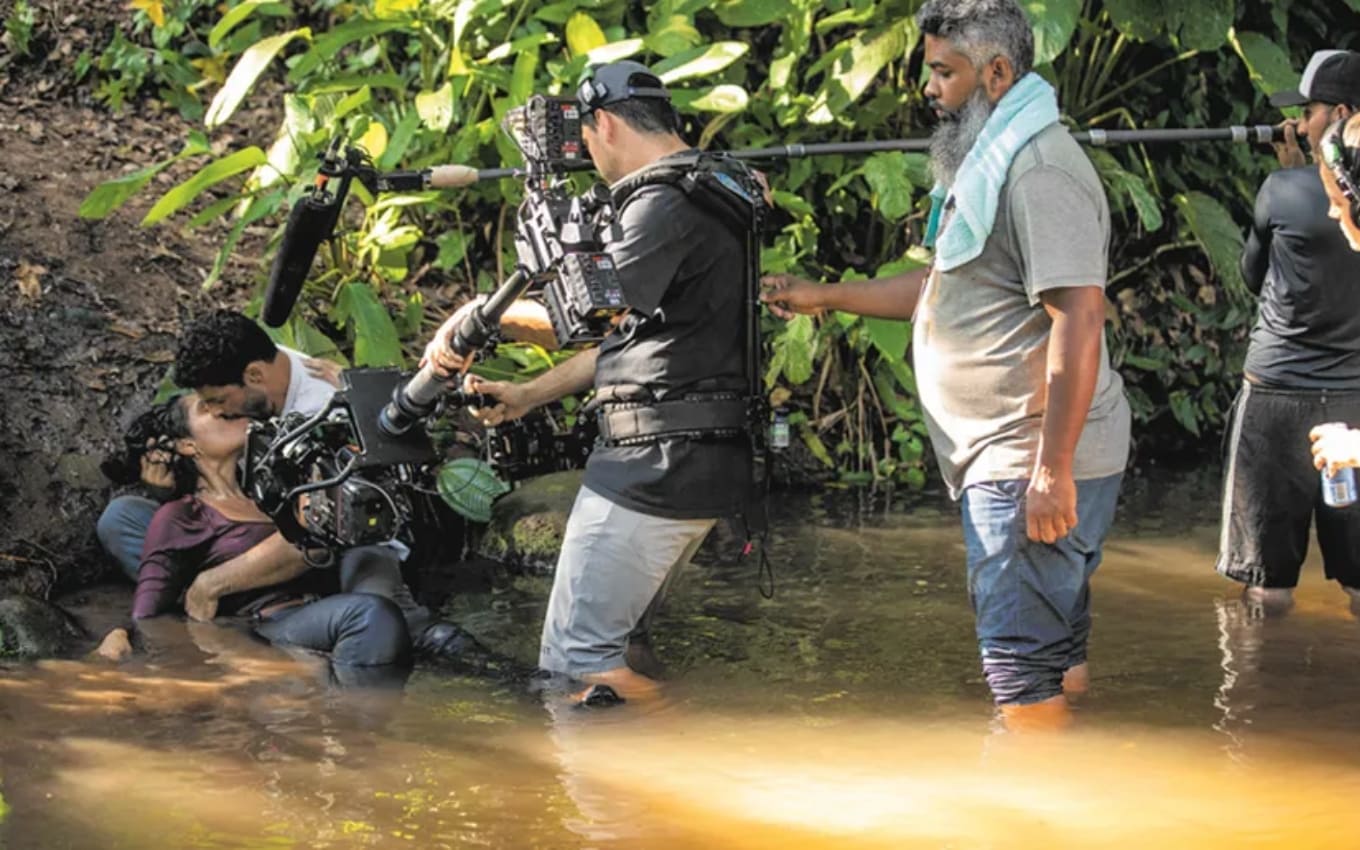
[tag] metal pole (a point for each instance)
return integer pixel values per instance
(1259, 134)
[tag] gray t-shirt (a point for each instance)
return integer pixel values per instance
(980, 337)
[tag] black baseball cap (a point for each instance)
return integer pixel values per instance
(1332, 76)
(618, 81)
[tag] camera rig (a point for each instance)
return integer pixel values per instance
(560, 245)
(332, 480)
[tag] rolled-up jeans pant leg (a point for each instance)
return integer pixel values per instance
(122, 530)
(613, 564)
(1032, 600)
(363, 635)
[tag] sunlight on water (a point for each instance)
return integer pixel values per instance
(848, 711)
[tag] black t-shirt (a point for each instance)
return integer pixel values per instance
(1307, 334)
(683, 275)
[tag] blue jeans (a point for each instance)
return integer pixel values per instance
(1032, 600)
(122, 530)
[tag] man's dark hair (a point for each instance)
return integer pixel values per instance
(217, 348)
(982, 30)
(646, 115)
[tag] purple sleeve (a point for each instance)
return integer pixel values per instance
(167, 558)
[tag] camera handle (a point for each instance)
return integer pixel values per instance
(416, 399)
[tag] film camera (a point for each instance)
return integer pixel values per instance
(333, 480)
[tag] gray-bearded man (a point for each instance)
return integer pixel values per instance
(1029, 422)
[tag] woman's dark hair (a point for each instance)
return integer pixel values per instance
(156, 428)
(216, 349)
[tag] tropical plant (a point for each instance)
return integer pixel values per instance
(418, 84)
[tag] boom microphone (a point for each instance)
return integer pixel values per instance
(311, 222)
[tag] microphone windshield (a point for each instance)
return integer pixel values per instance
(311, 222)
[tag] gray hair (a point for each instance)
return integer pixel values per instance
(982, 30)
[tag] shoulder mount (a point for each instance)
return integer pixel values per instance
(723, 185)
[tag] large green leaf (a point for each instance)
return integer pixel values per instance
(210, 175)
(889, 336)
(375, 336)
(328, 46)
(793, 350)
(112, 194)
(247, 70)
(583, 34)
(887, 174)
(751, 13)
(724, 98)
(701, 61)
(1142, 20)
(1125, 185)
(436, 107)
(1204, 24)
(1266, 61)
(858, 65)
(1220, 237)
(676, 35)
(1054, 21)
(239, 13)
(1183, 408)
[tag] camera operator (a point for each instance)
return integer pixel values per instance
(238, 371)
(644, 507)
(1302, 366)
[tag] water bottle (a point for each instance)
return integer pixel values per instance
(779, 430)
(1338, 490)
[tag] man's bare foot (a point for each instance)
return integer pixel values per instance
(1354, 594)
(626, 683)
(1076, 681)
(1051, 715)
(1273, 601)
(114, 647)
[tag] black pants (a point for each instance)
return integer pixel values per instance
(1271, 492)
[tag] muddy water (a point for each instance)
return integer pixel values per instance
(847, 712)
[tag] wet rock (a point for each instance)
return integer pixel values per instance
(31, 628)
(527, 524)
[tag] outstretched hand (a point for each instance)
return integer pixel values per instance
(512, 397)
(449, 364)
(787, 295)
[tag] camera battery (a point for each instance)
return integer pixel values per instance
(555, 126)
(584, 296)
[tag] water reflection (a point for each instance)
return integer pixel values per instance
(848, 711)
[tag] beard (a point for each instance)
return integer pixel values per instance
(954, 138)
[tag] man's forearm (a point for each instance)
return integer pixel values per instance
(1073, 366)
(885, 298)
(272, 561)
(574, 376)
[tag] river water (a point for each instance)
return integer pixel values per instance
(849, 711)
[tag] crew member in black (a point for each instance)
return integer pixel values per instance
(645, 505)
(1303, 364)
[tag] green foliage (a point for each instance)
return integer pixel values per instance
(426, 83)
(19, 29)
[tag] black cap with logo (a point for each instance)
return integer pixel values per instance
(1332, 76)
(618, 81)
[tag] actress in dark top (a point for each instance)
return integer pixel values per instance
(211, 551)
